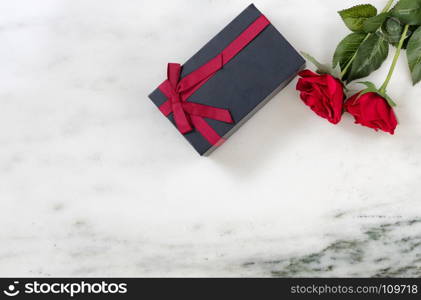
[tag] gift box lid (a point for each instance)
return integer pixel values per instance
(245, 83)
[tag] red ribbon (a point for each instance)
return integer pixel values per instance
(189, 115)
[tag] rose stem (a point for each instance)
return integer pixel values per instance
(386, 9)
(388, 5)
(395, 60)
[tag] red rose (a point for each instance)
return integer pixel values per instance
(324, 94)
(373, 111)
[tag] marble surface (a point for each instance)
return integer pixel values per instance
(95, 182)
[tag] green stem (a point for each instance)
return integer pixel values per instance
(388, 6)
(345, 70)
(395, 59)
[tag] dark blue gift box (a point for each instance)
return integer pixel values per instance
(246, 83)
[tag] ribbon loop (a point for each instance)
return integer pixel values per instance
(182, 110)
(173, 74)
(180, 117)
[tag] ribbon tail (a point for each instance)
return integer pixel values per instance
(206, 131)
(180, 118)
(210, 112)
(166, 108)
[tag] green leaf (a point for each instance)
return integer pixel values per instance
(321, 68)
(374, 23)
(388, 99)
(371, 88)
(414, 55)
(370, 56)
(411, 30)
(355, 17)
(392, 30)
(408, 11)
(347, 49)
(369, 85)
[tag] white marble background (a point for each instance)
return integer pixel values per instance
(95, 182)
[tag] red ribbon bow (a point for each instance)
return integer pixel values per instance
(189, 115)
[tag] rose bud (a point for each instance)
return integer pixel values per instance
(324, 94)
(373, 111)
